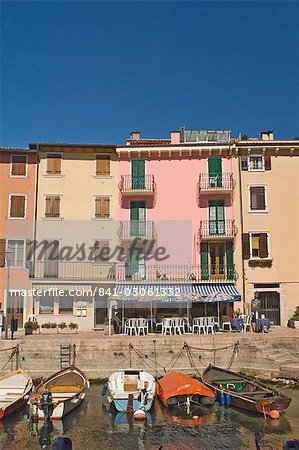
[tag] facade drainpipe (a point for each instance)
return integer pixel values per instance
(35, 209)
(242, 227)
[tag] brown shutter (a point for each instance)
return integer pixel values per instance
(103, 165)
(106, 207)
(17, 206)
(98, 207)
(18, 165)
(244, 162)
(54, 164)
(56, 206)
(245, 246)
(52, 206)
(267, 162)
(2, 252)
(263, 250)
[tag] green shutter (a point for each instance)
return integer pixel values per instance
(216, 217)
(137, 225)
(138, 173)
(229, 261)
(133, 267)
(215, 169)
(204, 258)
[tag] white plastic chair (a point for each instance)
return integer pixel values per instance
(210, 325)
(226, 323)
(199, 325)
(178, 325)
(167, 325)
(131, 327)
(142, 326)
(247, 324)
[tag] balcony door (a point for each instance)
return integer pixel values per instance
(138, 174)
(51, 260)
(215, 171)
(217, 261)
(216, 217)
(137, 218)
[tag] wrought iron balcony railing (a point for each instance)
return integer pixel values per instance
(137, 228)
(216, 182)
(218, 272)
(130, 185)
(82, 270)
(210, 229)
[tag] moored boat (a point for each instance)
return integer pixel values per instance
(131, 390)
(177, 388)
(15, 388)
(245, 393)
(59, 394)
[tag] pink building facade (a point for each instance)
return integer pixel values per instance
(179, 190)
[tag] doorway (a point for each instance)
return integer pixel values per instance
(270, 305)
(216, 217)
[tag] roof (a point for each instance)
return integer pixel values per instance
(70, 144)
(148, 141)
(14, 149)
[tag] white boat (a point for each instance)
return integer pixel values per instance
(131, 390)
(59, 394)
(15, 388)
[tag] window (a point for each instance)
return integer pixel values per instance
(46, 304)
(81, 308)
(52, 206)
(66, 304)
(17, 206)
(102, 207)
(259, 245)
(257, 198)
(102, 165)
(54, 164)
(102, 251)
(15, 252)
(256, 163)
(15, 303)
(18, 167)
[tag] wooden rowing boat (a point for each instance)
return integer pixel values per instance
(15, 388)
(245, 393)
(59, 394)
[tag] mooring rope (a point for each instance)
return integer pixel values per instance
(13, 353)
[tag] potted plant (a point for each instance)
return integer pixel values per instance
(73, 326)
(62, 326)
(30, 327)
(294, 320)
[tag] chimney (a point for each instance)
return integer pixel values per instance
(267, 136)
(135, 135)
(175, 137)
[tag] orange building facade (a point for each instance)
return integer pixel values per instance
(18, 169)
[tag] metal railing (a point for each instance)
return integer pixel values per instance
(217, 228)
(128, 184)
(83, 270)
(136, 228)
(219, 182)
(186, 273)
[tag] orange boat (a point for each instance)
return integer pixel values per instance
(176, 389)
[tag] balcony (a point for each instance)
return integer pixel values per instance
(217, 229)
(188, 273)
(218, 273)
(72, 270)
(129, 230)
(131, 186)
(209, 185)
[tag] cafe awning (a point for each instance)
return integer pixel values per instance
(215, 293)
(153, 292)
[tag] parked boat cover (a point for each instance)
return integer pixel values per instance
(174, 384)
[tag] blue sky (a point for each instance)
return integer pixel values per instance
(94, 71)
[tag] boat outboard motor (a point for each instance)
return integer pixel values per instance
(46, 401)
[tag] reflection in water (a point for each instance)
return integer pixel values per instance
(95, 425)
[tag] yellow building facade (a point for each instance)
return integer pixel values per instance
(266, 211)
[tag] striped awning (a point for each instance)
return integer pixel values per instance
(153, 292)
(215, 293)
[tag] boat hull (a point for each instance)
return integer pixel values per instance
(262, 405)
(122, 405)
(17, 403)
(62, 409)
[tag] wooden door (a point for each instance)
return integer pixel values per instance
(138, 173)
(215, 171)
(216, 217)
(217, 261)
